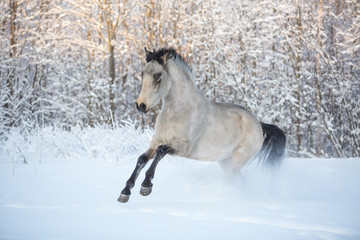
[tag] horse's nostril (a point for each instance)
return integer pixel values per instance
(142, 107)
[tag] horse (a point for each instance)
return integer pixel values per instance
(191, 126)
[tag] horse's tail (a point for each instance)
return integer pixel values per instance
(273, 148)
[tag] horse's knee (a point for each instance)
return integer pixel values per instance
(142, 160)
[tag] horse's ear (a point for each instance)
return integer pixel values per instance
(165, 57)
(146, 51)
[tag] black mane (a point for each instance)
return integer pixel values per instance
(156, 55)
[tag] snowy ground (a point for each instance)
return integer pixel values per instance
(69, 187)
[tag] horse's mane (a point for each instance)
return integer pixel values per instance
(156, 55)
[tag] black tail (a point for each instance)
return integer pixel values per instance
(273, 148)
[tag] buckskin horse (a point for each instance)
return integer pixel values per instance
(191, 126)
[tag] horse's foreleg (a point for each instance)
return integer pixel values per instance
(126, 192)
(146, 186)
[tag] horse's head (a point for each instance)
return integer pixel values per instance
(155, 79)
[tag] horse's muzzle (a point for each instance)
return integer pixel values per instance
(141, 108)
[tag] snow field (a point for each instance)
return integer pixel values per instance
(69, 187)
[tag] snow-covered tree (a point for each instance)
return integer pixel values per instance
(290, 62)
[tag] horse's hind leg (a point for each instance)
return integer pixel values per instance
(126, 192)
(146, 186)
(238, 160)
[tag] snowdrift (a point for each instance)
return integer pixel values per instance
(69, 186)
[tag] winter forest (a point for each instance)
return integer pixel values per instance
(293, 63)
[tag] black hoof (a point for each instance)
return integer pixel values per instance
(123, 198)
(145, 191)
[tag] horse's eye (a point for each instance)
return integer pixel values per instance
(157, 76)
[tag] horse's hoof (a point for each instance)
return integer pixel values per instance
(123, 198)
(145, 191)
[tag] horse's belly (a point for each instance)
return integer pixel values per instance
(210, 155)
(216, 145)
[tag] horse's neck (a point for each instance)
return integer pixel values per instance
(183, 96)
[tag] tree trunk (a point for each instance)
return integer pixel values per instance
(299, 80)
(318, 143)
(11, 74)
(112, 83)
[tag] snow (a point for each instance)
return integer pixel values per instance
(70, 193)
